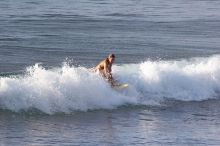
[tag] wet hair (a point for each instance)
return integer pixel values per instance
(111, 56)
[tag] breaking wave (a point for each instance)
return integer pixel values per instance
(71, 88)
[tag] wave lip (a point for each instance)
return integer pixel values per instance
(197, 79)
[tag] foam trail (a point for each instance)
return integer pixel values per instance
(67, 89)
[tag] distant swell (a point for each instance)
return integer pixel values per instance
(69, 88)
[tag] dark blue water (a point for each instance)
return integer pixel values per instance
(168, 52)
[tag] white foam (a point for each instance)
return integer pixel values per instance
(196, 79)
(68, 88)
(59, 90)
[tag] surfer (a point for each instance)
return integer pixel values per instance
(104, 68)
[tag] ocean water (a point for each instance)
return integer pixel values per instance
(167, 51)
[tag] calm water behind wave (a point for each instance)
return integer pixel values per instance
(86, 31)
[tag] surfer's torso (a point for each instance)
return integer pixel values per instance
(104, 67)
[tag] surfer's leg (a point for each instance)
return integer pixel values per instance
(111, 81)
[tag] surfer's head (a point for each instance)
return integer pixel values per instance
(111, 58)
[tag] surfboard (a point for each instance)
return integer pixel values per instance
(120, 86)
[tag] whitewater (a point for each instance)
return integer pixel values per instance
(71, 88)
